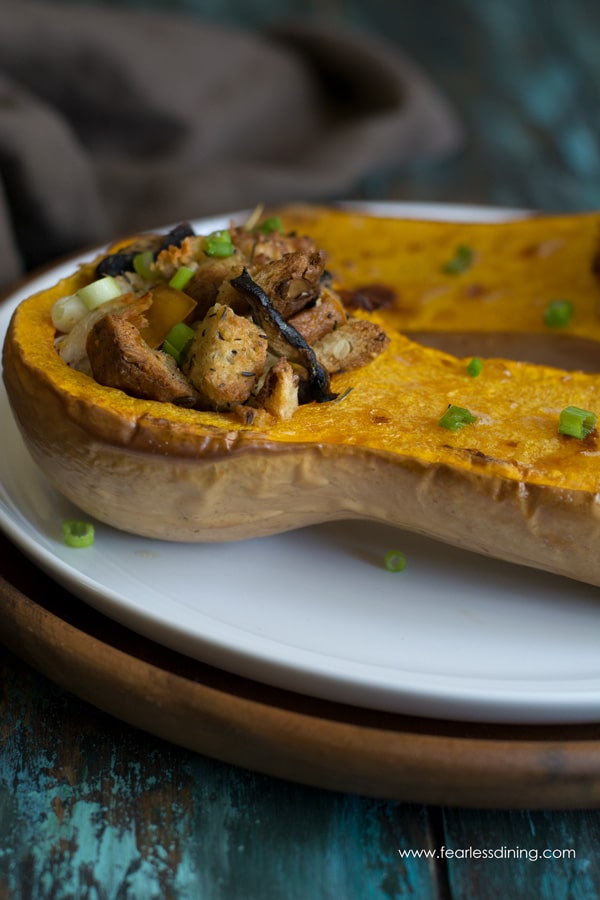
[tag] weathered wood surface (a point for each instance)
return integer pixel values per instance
(92, 808)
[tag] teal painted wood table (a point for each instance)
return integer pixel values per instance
(128, 772)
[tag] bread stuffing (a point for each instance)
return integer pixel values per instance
(263, 327)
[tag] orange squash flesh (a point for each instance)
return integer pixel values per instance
(508, 485)
(517, 268)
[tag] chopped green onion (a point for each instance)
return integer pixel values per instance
(142, 264)
(395, 561)
(99, 292)
(576, 422)
(475, 367)
(558, 313)
(219, 243)
(178, 340)
(171, 350)
(273, 223)
(67, 311)
(181, 277)
(456, 417)
(460, 262)
(78, 534)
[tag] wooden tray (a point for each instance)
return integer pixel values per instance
(283, 734)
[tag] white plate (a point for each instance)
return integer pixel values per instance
(455, 635)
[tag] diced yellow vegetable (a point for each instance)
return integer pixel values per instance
(169, 306)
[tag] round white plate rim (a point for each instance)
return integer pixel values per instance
(304, 669)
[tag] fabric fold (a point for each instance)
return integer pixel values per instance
(114, 121)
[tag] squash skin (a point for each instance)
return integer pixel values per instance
(514, 490)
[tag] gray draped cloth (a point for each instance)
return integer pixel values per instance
(115, 121)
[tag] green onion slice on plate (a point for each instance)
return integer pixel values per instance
(78, 534)
(394, 561)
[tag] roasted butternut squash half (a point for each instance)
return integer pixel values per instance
(343, 416)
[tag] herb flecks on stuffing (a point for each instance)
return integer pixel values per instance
(266, 329)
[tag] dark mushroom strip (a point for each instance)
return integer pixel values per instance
(122, 260)
(175, 236)
(283, 338)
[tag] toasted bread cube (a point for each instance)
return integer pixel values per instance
(351, 346)
(327, 314)
(226, 358)
(279, 393)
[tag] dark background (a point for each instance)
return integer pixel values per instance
(523, 75)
